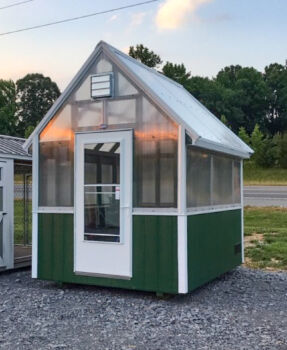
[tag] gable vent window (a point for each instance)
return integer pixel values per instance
(102, 85)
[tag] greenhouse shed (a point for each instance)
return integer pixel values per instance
(135, 184)
(15, 203)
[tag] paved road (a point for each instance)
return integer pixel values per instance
(264, 196)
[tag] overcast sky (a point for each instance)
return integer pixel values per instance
(205, 35)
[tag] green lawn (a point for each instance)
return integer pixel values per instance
(261, 176)
(266, 237)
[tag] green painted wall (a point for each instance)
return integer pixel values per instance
(154, 253)
(211, 239)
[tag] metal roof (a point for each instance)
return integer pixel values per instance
(12, 147)
(205, 129)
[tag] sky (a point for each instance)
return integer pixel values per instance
(205, 35)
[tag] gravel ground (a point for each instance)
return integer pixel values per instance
(244, 309)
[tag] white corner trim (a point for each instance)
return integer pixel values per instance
(182, 254)
(35, 180)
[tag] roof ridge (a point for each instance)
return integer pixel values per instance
(13, 137)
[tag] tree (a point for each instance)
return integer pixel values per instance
(176, 72)
(145, 55)
(35, 95)
(244, 97)
(281, 146)
(7, 108)
(264, 148)
(275, 77)
(243, 135)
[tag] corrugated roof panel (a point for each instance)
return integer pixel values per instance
(12, 146)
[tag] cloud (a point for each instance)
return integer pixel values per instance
(113, 18)
(173, 14)
(137, 19)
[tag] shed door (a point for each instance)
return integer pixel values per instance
(103, 204)
(4, 224)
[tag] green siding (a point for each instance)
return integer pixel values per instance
(154, 253)
(211, 240)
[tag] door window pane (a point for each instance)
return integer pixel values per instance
(102, 208)
(102, 192)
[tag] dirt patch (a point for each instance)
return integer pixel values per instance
(249, 241)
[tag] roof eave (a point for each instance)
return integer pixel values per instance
(213, 146)
(14, 156)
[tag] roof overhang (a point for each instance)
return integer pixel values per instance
(17, 157)
(213, 146)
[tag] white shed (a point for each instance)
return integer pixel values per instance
(15, 203)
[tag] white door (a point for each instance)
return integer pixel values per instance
(4, 223)
(103, 204)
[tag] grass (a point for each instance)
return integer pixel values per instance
(266, 238)
(19, 221)
(264, 176)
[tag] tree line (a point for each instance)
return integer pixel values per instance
(252, 104)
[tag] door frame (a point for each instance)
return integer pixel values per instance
(125, 137)
(8, 207)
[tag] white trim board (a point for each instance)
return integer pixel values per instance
(35, 191)
(182, 254)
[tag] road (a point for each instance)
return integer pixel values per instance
(263, 196)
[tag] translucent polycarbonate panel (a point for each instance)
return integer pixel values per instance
(103, 65)
(1, 237)
(167, 185)
(236, 182)
(123, 87)
(56, 174)
(147, 182)
(59, 128)
(198, 177)
(121, 112)
(56, 161)
(90, 115)
(222, 180)
(155, 150)
(1, 198)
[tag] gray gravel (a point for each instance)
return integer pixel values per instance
(244, 309)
